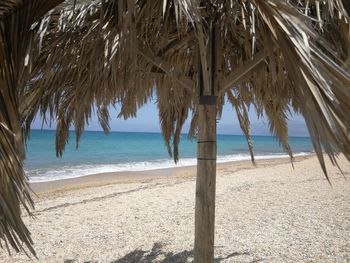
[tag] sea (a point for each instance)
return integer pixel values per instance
(136, 151)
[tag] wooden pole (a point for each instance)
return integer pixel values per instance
(205, 186)
(206, 165)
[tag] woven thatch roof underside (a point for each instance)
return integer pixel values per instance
(276, 56)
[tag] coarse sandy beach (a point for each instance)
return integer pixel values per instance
(268, 213)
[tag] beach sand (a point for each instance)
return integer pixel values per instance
(268, 213)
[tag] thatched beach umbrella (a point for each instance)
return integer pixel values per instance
(16, 19)
(276, 56)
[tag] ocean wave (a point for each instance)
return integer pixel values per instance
(67, 172)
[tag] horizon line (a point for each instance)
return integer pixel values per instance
(155, 132)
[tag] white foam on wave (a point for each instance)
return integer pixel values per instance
(66, 172)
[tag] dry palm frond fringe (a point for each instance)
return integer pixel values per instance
(16, 19)
(277, 56)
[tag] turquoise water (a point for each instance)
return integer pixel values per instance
(129, 151)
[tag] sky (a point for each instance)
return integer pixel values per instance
(147, 121)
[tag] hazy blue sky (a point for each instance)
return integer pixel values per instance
(147, 121)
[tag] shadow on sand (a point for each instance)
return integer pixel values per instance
(156, 254)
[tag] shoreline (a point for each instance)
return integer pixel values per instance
(102, 179)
